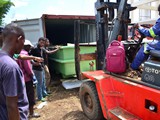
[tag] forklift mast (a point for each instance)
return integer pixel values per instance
(105, 20)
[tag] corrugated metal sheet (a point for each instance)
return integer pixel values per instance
(60, 28)
(87, 33)
(32, 29)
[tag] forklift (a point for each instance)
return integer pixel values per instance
(114, 96)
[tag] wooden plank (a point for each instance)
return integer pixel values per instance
(142, 2)
(77, 48)
(89, 56)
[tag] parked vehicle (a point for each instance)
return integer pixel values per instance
(114, 96)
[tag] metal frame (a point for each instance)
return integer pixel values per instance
(102, 20)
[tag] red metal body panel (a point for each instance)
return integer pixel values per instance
(115, 92)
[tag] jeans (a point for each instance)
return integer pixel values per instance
(41, 87)
(139, 59)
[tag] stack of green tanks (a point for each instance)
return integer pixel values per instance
(63, 61)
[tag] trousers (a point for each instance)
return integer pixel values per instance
(41, 87)
(143, 53)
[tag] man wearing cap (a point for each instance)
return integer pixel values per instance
(25, 66)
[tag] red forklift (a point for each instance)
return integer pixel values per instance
(113, 96)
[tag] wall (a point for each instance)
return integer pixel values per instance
(144, 15)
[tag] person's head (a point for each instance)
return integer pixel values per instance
(47, 43)
(27, 45)
(1, 40)
(41, 42)
(159, 9)
(13, 37)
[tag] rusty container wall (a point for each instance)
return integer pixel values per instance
(59, 29)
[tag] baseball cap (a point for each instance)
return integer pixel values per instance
(27, 42)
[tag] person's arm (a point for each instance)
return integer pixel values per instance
(12, 108)
(153, 31)
(26, 57)
(52, 51)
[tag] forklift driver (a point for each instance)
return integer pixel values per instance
(143, 53)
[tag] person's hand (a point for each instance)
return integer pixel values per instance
(136, 25)
(57, 47)
(38, 59)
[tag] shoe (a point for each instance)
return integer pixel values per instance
(43, 100)
(46, 95)
(35, 115)
(133, 74)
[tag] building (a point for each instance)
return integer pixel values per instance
(146, 12)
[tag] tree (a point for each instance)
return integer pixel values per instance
(4, 8)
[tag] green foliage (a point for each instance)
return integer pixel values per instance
(4, 8)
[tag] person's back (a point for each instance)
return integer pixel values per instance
(13, 98)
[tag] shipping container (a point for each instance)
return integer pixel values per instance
(59, 29)
(32, 29)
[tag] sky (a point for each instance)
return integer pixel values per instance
(29, 9)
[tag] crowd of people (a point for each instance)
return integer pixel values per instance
(17, 55)
(22, 66)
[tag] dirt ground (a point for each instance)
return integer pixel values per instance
(62, 105)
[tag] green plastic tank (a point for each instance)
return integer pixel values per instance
(63, 61)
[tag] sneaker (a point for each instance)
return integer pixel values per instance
(43, 100)
(35, 115)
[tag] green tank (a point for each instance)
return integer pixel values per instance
(63, 61)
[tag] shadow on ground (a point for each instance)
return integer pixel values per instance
(75, 115)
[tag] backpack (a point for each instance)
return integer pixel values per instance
(115, 57)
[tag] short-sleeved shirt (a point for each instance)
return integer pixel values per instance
(16, 56)
(25, 66)
(38, 52)
(11, 85)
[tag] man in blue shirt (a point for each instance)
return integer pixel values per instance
(143, 53)
(13, 99)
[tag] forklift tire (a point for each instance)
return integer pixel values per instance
(90, 101)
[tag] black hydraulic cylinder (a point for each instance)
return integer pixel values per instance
(118, 21)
